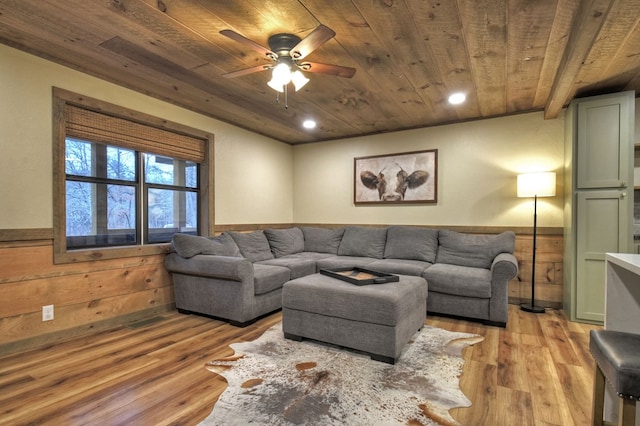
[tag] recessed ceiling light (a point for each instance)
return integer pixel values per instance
(457, 98)
(309, 124)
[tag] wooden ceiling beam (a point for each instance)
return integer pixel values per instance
(604, 68)
(565, 13)
(586, 27)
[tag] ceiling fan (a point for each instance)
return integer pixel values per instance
(287, 51)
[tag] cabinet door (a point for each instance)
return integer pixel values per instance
(601, 227)
(603, 145)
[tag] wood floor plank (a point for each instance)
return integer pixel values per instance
(512, 364)
(577, 389)
(548, 400)
(482, 394)
(558, 341)
(488, 352)
(520, 407)
(537, 370)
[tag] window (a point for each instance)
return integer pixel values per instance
(124, 185)
(171, 192)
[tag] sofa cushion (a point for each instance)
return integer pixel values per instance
(322, 240)
(267, 278)
(473, 250)
(188, 246)
(299, 266)
(225, 267)
(399, 266)
(459, 280)
(284, 242)
(363, 241)
(311, 255)
(413, 243)
(343, 262)
(253, 245)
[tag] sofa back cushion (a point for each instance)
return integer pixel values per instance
(253, 245)
(188, 246)
(322, 240)
(285, 241)
(473, 250)
(412, 243)
(363, 241)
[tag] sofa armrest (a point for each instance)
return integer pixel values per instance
(205, 265)
(504, 267)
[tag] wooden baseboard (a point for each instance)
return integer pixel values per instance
(62, 335)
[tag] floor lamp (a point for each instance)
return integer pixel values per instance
(542, 184)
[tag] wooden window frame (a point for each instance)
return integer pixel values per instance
(61, 100)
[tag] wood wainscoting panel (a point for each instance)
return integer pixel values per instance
(87, 296)
(549, 267)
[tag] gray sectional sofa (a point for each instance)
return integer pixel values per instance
(239, 276)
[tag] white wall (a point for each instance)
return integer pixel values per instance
(477, 166)
(254, 173)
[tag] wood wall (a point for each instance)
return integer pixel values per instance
(549, 270)
(87, 296)
(101, 294)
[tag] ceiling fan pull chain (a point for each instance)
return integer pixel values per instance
(286, 100)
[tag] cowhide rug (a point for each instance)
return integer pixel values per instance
(275, 381)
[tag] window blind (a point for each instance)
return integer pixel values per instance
(100, 127)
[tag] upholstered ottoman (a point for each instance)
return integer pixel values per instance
(378, 319)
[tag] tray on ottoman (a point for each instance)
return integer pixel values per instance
(360, 276)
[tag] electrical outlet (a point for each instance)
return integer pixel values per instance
(47, 313)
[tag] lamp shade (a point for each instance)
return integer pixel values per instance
(280, 77)
(540, 184)
(298, 79)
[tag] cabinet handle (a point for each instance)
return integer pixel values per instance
(623, 184)
(622, 195)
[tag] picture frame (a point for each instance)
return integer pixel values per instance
(403, 178)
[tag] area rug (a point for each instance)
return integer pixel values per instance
(275, 381)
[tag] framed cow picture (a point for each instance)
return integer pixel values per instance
(406, 178)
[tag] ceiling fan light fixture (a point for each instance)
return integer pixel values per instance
(280, 76)
(298, 79)
(275, 85)
(287, 51)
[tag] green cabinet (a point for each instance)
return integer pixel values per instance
(598, 197)
(600, 228)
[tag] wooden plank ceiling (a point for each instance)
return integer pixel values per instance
(508, 56)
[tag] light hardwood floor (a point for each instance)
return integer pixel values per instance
(537, 371)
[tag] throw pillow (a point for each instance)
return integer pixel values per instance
(253, 245)
(322, 240)
(473, 250)
(188, 246)
(363, 241)
(285, 241)
(413, 243)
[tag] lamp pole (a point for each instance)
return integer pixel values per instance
(525, 306)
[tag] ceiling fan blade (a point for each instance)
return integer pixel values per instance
(246, 71)
(336, 70)
(315, 39)
(249, 43)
